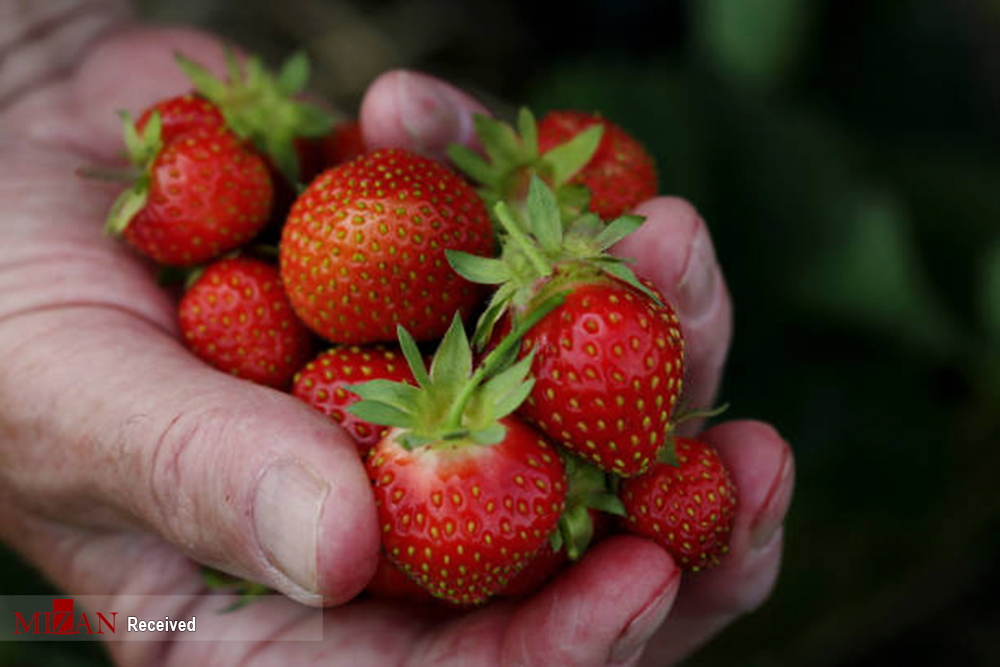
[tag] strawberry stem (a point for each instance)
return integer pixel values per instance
(529, 248)
(496, 359)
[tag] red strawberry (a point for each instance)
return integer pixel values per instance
(390, 582)
(608, 369)
(548, 562)
(363, 248)
(201, 195)
(343, 144)
(182, 114)
(237, 318)
(323, 382)
(608, 362)
(461, 520)
(687, 509)
(582, 157)
(466, 495)
(620, 175)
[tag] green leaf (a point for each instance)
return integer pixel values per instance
(605, 502)
(494, 311)
(587, 226)
(509, 389)
(294, 74)
(491, 435)
(618, 229)
(126, 206)
(556, 540)
(577, 530)
(411, 440)
(380, 413)
(413, 357)
(482, 270)
(565, 160)
(472, 165)
(544, 221)
(667, 454)
(452, 364)
(625, 274)
(574, 200)
(399, 395)
(528, 129)
(210, 87)
(499, 141)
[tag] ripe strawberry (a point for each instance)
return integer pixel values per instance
(363, 248)
(198, 196)
(389, 582)
(687, 509)
(584, 158)
(608, 362)
(323, 383)
(466, 494)
(237, 318)
(620, 175)
(548, 562)
(608, 369)
(181, 114)
(343, 144)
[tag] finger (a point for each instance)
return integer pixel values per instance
(763, 469)
(405, 109)
(237, 476)
(601, 611)
(673, 248)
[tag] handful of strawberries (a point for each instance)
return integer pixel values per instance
(504, 454)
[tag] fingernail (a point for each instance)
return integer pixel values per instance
(428, 114)
(696, 290)
(771, 515)
(637, 633)
(287, 507)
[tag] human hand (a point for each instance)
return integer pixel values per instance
(124, 458)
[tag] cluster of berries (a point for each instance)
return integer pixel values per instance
(504, 455)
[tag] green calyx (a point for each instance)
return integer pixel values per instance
(263, 107)
(453, 402)
(542, 249)
(589, 488)
(513, 160)
(141, 150)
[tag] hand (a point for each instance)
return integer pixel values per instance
(123, 458)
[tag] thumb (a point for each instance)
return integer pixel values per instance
(238, 476)
(406, 109)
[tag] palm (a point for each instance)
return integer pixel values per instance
(97, 378)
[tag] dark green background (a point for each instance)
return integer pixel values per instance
(845, 154)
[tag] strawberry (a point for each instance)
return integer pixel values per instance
(688, 508)
(195, 198)
(264, 109)
(548, 562)
(181, 114)
(586, 160)
(323, 382)
(620, 175)
(608, 368)
(363, 248)
(343, 144)
(609, 361)
(389, 582)
(237, 318)
(466, 494)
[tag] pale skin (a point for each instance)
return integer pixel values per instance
(125, 461)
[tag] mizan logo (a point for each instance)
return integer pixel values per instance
(60, 621)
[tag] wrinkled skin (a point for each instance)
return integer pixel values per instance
(123, 459)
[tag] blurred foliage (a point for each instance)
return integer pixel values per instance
(846, 156)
